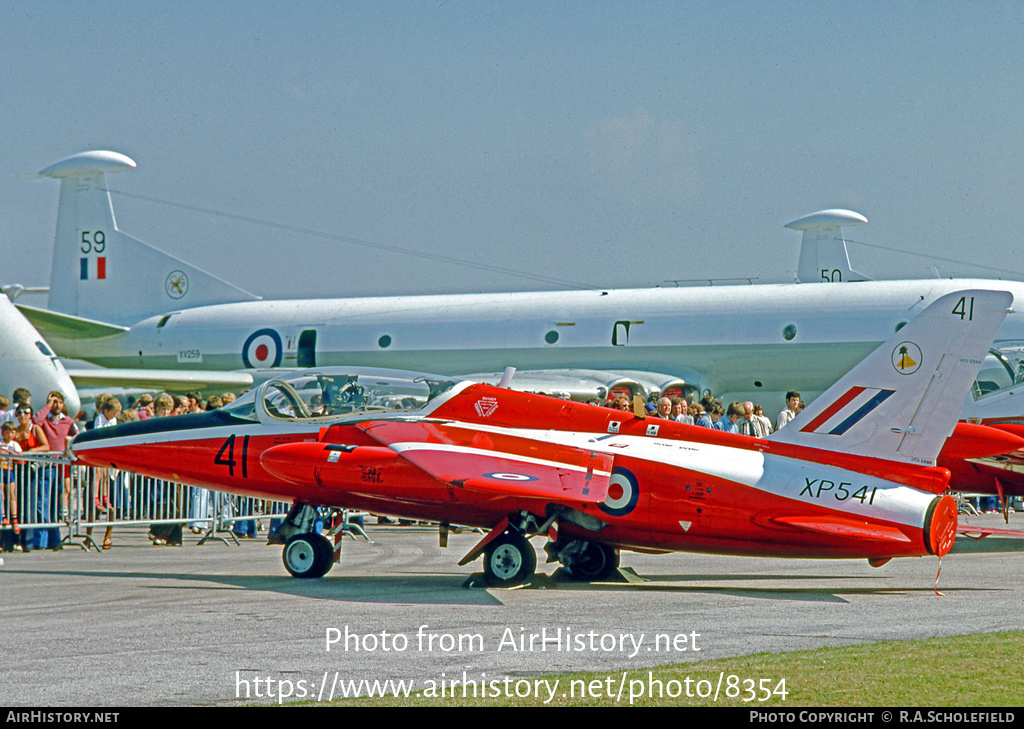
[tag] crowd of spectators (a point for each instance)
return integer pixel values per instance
(744, 418)
(45, 494)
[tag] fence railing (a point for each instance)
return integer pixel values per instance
(48, 500)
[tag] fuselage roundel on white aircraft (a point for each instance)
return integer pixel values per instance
(739, 342)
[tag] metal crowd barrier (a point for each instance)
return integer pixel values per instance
(56, 501)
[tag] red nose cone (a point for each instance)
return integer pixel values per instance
(978, 441)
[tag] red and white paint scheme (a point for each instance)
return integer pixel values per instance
(853, 475)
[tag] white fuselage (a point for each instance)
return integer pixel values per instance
(26, 361)
(732, 340)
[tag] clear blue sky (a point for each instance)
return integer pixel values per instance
(605, 144)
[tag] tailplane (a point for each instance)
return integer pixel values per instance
(103, 274)
(903, 401)
(823, 255)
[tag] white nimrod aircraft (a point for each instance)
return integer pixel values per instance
(27, 361)
(121, 303)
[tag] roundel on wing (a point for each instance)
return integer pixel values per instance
(623, 493)
(262, 349)
(508, 476)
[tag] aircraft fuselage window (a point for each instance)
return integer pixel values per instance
(306, 355)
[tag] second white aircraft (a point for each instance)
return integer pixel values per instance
(119, 302)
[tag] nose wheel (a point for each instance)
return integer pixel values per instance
(308, 556)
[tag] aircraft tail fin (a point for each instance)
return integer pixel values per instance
(103, 274)
(904, 400)
(823, 255)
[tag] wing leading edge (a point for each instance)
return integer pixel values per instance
(498, 463)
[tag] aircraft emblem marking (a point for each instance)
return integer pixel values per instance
(623, 492)
(262, 349)
(906, 358)
(613, 426)
(371, 474)
(848, 410)
(176, 284)
(652, 430)
(510, 476)
(486, 406)
(101, 269)
(686, 525)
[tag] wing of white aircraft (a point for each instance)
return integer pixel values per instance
(62, 327)
(170, 380)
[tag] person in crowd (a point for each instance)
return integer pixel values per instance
(681, 411)
(717, 412)
(195, 399)
(160, 534)
(144, 407)
(32, 440)
(59, 429)
(5, 404)
(108, 408)
(759, 414)
(665, 408)
(730, 418)
(792, 407)
(20, 396)
(201, 499)
(9, 501)
(751, 425)
(704, 419)
(621, 403)
(29, 434)
(163, 405)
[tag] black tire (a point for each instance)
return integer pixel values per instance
(509, 560)
(308, 556)
(595, 563)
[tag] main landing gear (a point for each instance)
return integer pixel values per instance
(585, 561)
(509, 559)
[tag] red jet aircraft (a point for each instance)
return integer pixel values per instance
(853, 475)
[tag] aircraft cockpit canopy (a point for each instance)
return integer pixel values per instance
(1003, 369)
(329, 394)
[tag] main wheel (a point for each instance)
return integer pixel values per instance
(594, 563)
(509, 560)
(308, 555)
